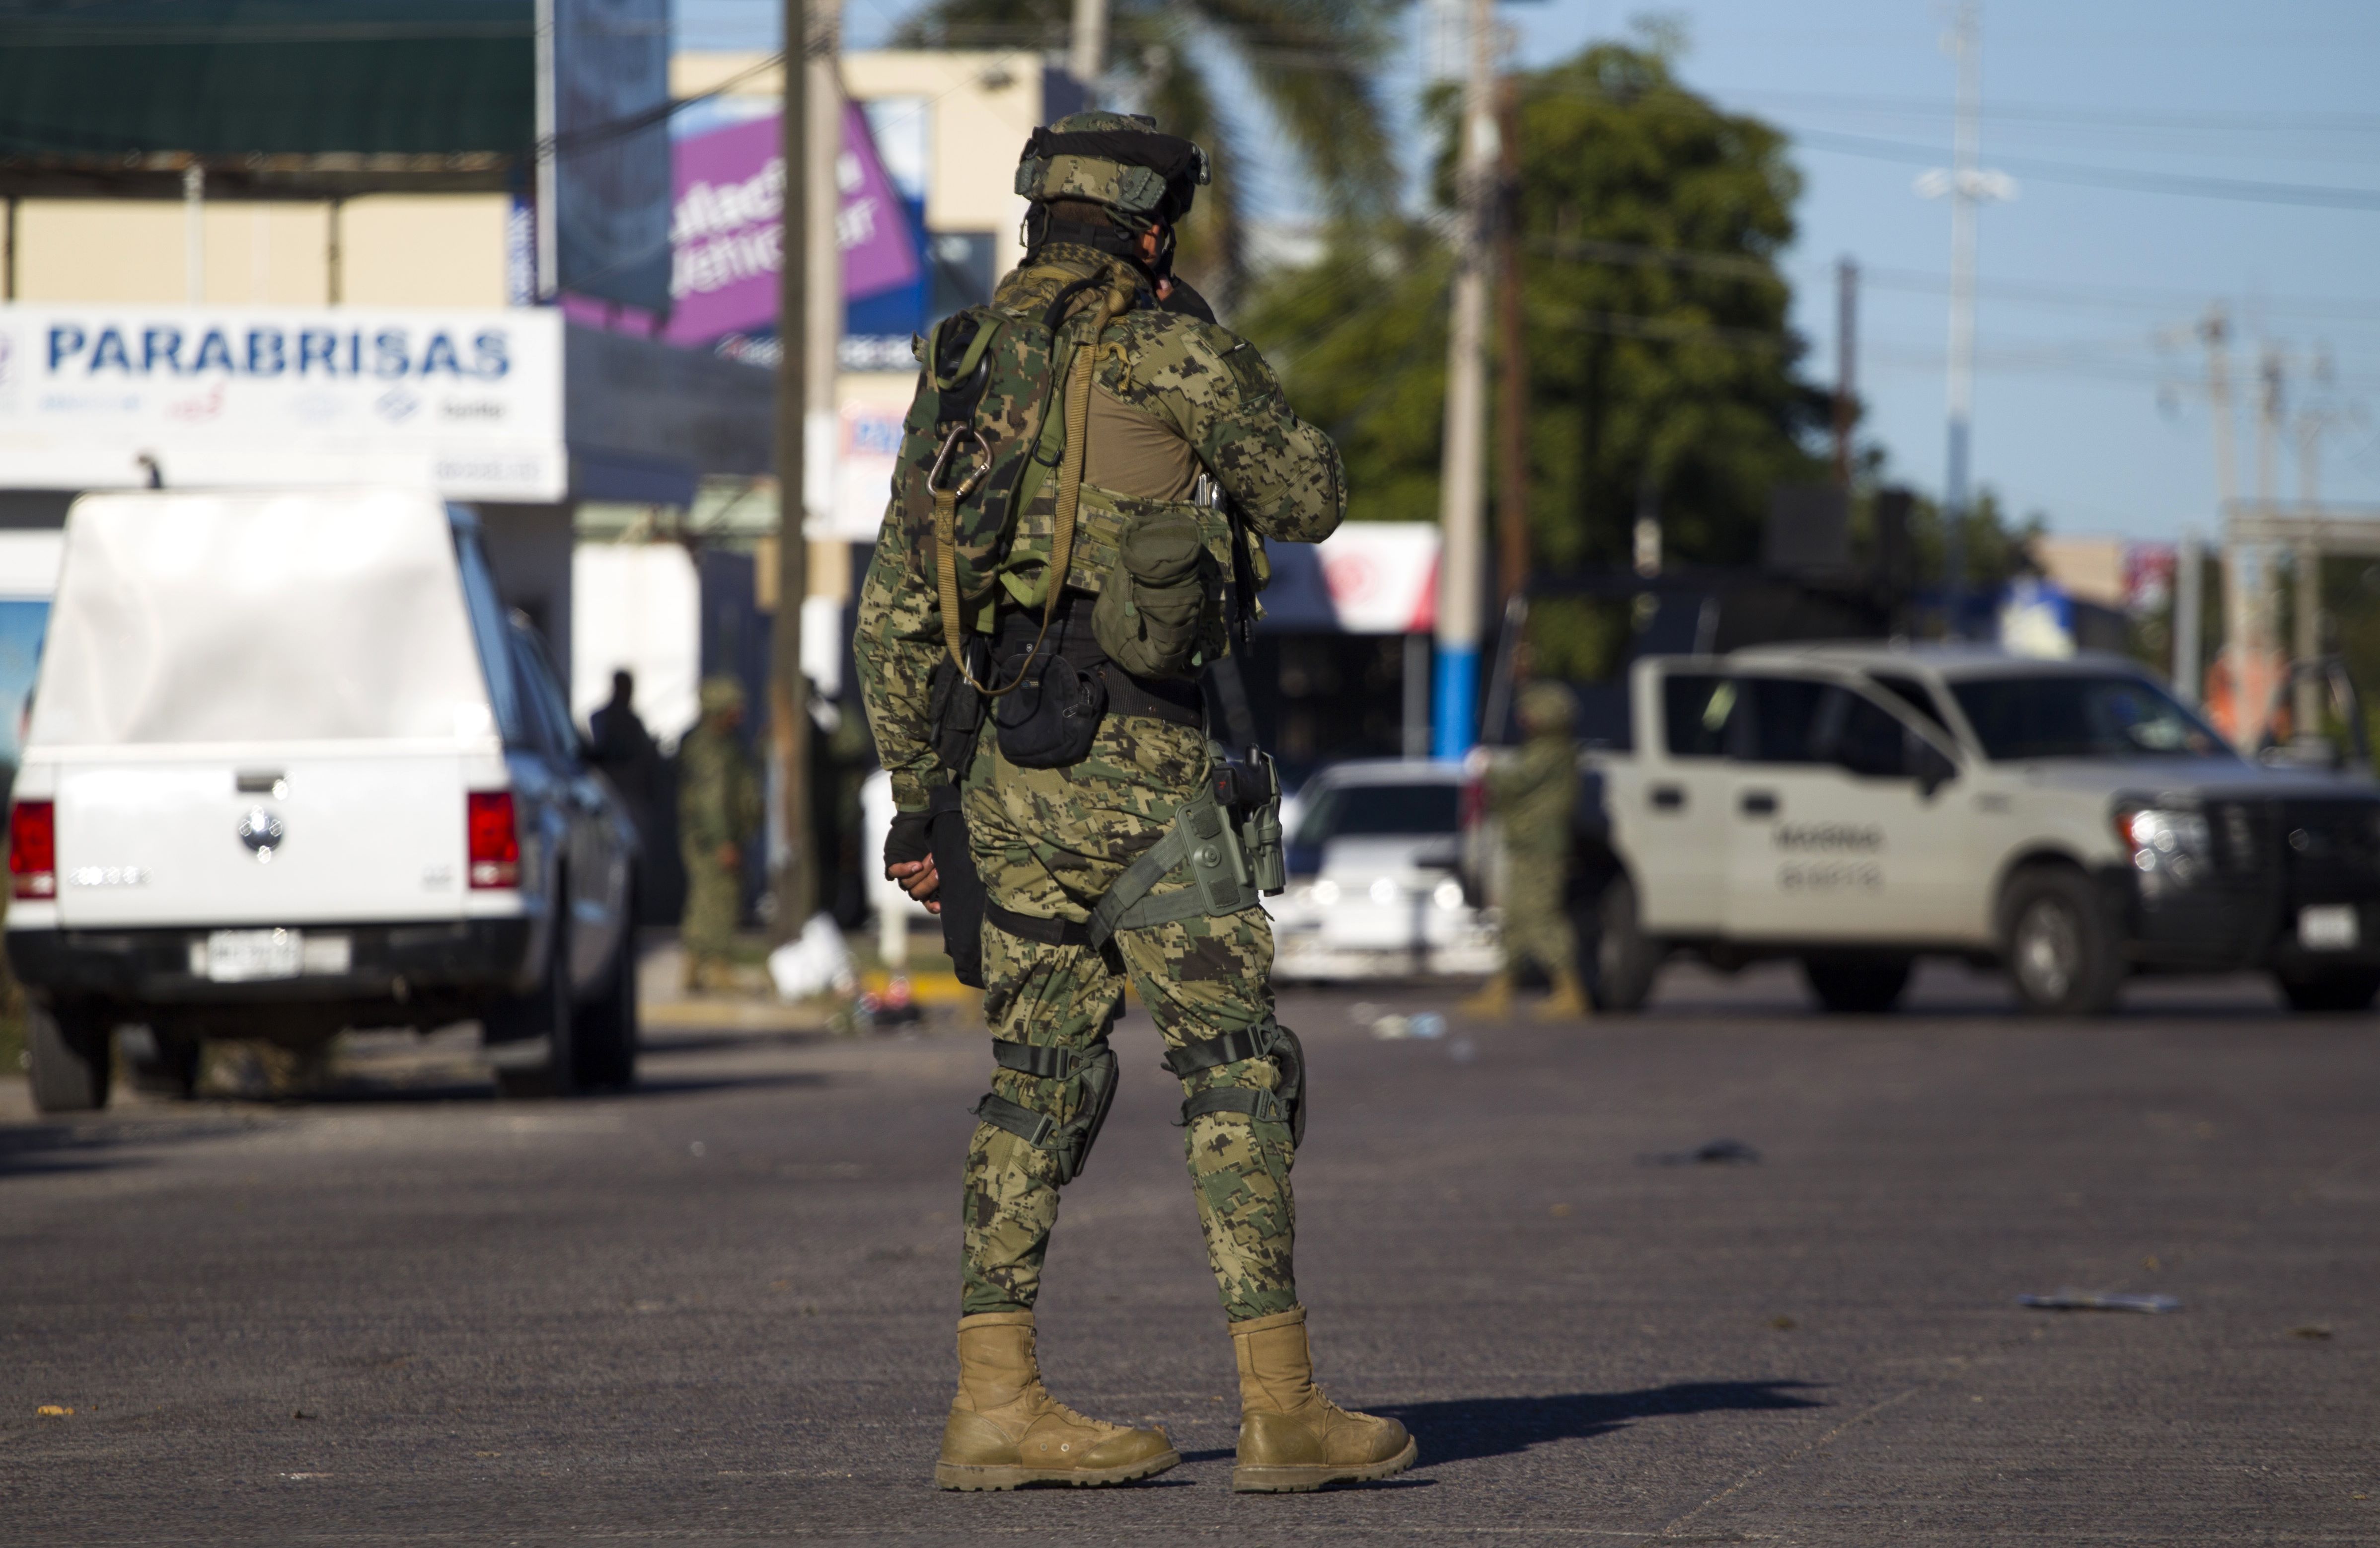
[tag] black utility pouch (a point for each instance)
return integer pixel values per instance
(1050, 718)
(956, 711)
(961, 890)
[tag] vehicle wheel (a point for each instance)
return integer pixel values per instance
(1857, 985)
(1625, 960)
(2055, 942)
(605, 1033)
(2342, 988)
(544, 1013)
(169, 1067)
(73, 1059)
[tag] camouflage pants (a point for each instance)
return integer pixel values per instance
(1535, 927)
(712, 902)
(1049, 843)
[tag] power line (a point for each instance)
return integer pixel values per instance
(1745, 266)
(2131, 180)
(2308, 194)
(2260, 121)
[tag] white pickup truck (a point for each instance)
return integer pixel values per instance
(1860, 806)
(291, 768)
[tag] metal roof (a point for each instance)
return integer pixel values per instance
(296, 97)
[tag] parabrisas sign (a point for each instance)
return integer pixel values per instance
(265, 350)
(467, 402)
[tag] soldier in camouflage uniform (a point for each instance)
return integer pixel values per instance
(718, 813)
(1533, 791)
(1170, 396)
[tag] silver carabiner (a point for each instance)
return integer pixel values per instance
(942, 459)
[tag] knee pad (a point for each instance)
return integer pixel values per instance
(1285, 1103)
(1093, 1074)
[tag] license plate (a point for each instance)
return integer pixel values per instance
(247, 956)
(2331, 927)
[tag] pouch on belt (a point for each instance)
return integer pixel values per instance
(1148, 611)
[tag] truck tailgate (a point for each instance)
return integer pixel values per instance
(260, 839)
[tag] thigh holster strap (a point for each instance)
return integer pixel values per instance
(1202, 846)
(1032, 1128)
(1049, 932)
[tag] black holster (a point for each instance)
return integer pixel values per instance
(961, 890)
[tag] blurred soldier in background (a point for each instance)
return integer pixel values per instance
(718, 813)
(1533, 790)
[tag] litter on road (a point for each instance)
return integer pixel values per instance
(1718, 1153)
(2099, 1301)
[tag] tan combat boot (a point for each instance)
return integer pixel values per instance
(1568, 1002)
(1493, 1003)
(1293, 1438)
(1005, 1430)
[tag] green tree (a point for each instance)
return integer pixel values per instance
(1660, 367)
(1313, 63)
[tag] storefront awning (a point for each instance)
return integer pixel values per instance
(369, 91)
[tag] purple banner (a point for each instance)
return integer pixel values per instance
(727, 227)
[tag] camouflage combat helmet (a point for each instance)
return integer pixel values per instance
(1115, 159)
(1547, 707)
(720, 695)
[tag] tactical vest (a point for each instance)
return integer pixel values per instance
(989, 475)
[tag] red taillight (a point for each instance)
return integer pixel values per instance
(496, 839)
(33, 849)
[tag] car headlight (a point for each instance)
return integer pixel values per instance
(1448, 895)
(2167, 844)
(1385, 891)
(1324, 892)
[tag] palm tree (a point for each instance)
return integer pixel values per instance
(1311, 62)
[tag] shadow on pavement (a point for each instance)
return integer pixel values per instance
(660, 1041)
(364, 1090)
(90, 1144)
(1465, 1429)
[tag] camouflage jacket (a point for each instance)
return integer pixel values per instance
(1189, 379)
(718, 790)
(1534, 790)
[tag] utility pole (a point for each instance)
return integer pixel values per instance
(2189, 608)
(2308, 425)
(1461, 477)
(2238, 631)
(1512, 387)
(789, 719)
(194, 232)
(1967, 186)
(1846, 363)
(1087, 56)
(2264, 619)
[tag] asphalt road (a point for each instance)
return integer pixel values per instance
(719, 1310)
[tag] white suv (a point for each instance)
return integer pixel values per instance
(1860, 806)
(290, 768)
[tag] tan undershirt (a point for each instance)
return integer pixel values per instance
(1136, 454)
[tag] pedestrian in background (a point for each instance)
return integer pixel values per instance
(619, 744)
(1533, 790)
(618, 741)
(718, 813)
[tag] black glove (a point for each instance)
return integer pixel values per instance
(910, 839)
(1188, 302)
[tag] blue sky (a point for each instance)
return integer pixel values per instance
(2089, 403)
